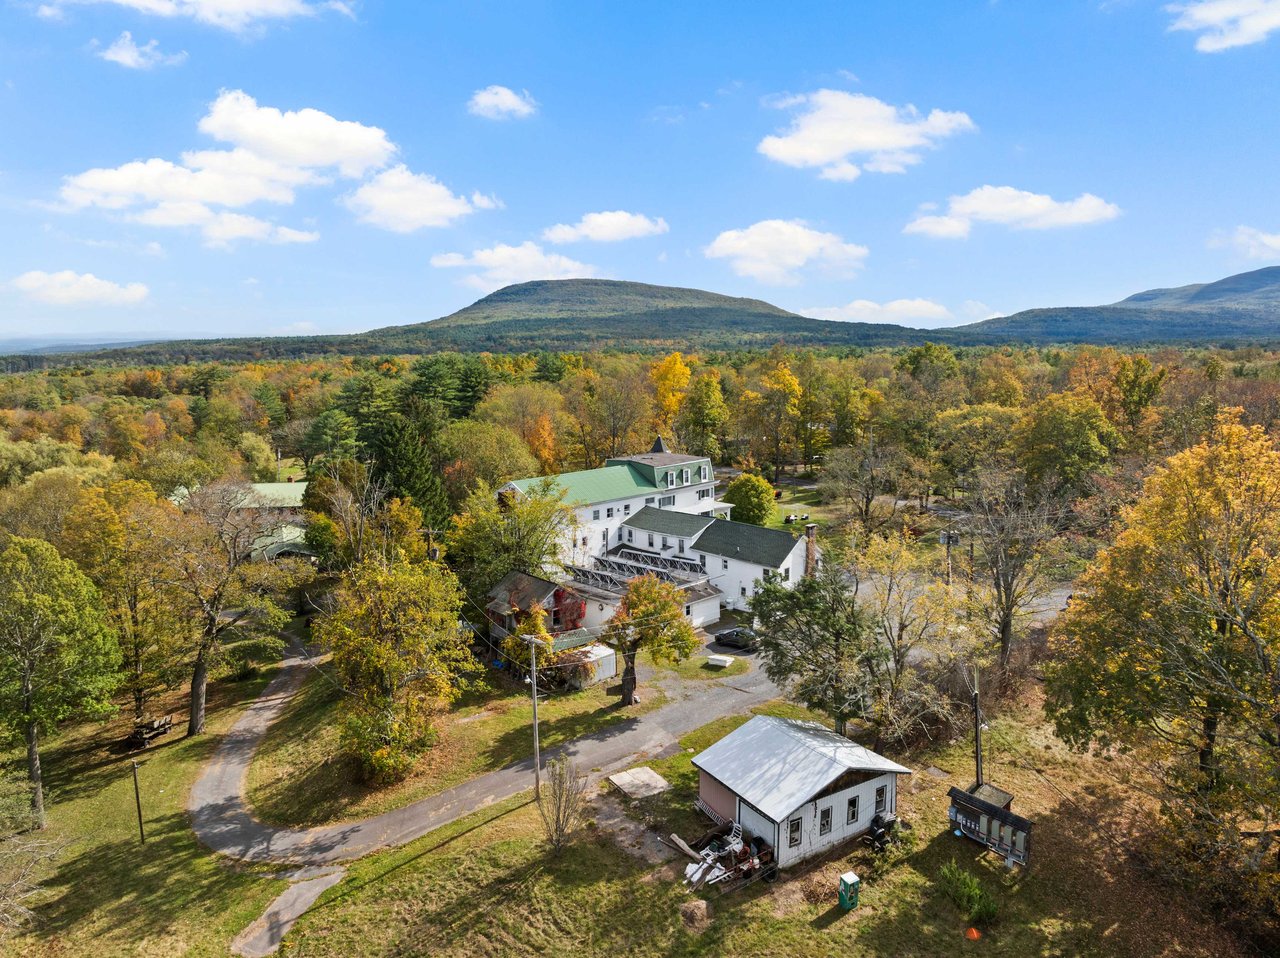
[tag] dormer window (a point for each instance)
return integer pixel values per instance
(671, 478)
(702, 473)
(686, 477)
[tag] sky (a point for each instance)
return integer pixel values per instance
(248, 167)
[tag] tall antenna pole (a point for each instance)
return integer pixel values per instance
(977, 729)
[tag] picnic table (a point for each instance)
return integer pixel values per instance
(145, 731)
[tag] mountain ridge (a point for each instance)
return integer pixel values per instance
(575, 315)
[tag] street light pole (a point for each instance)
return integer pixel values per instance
(534, 641)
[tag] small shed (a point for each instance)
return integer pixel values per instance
(798, 785)
(603, 662)
(983, 814)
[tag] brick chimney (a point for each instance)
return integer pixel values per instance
(810, 548)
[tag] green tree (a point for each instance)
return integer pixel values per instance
(516, 532)
(650, 618)
(751, 497)
(57, 654)
(478, 453)
(403, 461)
(331, 436)
(400, 654)
(1137, 386)
(1063, 440)
(817, 643)
(702, 417)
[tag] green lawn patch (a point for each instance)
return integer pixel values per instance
(299, 776)
(106, 894)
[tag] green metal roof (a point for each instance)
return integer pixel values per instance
(595, 485)
(278, 495)
(574, 639)
(668, 522)
(741, 540)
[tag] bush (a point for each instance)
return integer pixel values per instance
(968, 893)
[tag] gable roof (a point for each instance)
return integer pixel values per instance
(594, 485)
(778, 764)
(741, 540)
(668, 522)
(521, 591)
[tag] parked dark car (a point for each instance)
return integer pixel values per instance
(739, 638)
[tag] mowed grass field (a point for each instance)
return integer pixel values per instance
(486, 886)
(300, 777)
(107, 894)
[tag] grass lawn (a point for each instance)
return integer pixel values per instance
(485, 886)
(106, 894)
(798, 502)
(299, 777)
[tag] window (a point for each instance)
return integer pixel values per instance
(851, 816)
(595, 514)
(744, 591)
(649, 500)
(702, 561)
(824, 821)
(680, 546)
(626, 510)
(555, 617)
(630, 536)
(704, 493)
(650, 540)
(726, 565)
(604, 536)
(882, 794)
(688, 610)
(666, 501)
(702, 473)
(608, 513)
(584, 542)
(793, 833)
(666, 544)
(786, 574)
(671, 479)
(686, 477)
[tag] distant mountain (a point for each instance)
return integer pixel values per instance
(64, 344)
(560, 315)
(1240, 308)
(585, 314)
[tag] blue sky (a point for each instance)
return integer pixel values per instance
(201, 167)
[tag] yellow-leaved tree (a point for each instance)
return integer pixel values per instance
(1171, 647)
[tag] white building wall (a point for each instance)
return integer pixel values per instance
(757, 823)
(737, 580)
(812, 842)
(705, 612)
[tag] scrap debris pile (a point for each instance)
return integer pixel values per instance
(726, 856)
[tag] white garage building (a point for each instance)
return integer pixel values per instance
(798, 785)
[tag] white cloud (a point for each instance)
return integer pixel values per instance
(503, 265)
(68, 288)
(403, 201)
(272, 154)
(773, 251)
(128, 54)
(835, 128)
(502, 103)
(904, 312)
(233, 15)
(1223, 24)
(1017, 209)
(302, 138)
(975, 309)
(1256, 244)
(606, 227)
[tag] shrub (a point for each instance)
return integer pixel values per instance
(968, 893)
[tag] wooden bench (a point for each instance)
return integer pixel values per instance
(144, 732)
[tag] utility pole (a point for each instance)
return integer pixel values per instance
(137, 800)
(977, 729)
(534, 642)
